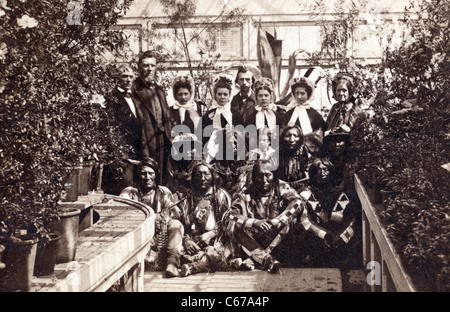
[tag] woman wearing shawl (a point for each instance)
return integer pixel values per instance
(265, 113)
(221, 148)
(219, 116)
(184, 110)
(300, 113)
(345, 112)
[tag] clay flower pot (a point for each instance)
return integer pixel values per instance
(67, 230)
(19, 258)
(46, 256)
(85, 183)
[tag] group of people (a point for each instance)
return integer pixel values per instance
(288, 201)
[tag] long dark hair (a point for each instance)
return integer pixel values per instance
(314, 169)
(286, 129)
(150, 162)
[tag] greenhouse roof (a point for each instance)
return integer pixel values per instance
(154, 8)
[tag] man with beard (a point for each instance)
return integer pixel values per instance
(151, 100)
(245, 99)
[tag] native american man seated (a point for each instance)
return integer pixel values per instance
(164, 247)
(200, 212)
(332, 221)
(261, 216)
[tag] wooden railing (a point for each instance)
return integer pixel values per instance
(384, 269)
(111, 250)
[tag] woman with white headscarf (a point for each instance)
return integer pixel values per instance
(185, 110)
(218, 119)
(300, 113)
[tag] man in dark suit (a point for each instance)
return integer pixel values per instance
(127, 117)
(156, 123)
(245, 99)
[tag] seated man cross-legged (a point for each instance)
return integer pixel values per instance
(166, 246)
(262, 215)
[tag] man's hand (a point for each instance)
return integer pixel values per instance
(205, 238)
(332, 240)
(262, 225)
(191, 247)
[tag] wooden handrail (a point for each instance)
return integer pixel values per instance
(148, 211)
(378, 247)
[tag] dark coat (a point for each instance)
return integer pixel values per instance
(130, 125)
(155, 129)
(317, 122)
(207, 120)
(250, 117)
(340, 116)
(241, 107)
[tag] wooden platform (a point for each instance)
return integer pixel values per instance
(289, 280)
(107, 250)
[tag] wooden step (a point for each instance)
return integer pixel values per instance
(287, 280)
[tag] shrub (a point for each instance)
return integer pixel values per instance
(52, 111)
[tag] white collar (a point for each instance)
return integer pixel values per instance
(271, 107)
(189, 104)
(120, 89)
(227, 106)
(294, 104)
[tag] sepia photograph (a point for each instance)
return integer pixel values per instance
(221, 153)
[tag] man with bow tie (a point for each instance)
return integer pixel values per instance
(128, 118)
(156, 122)
(243, 101)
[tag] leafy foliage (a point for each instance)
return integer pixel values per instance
(402, 148)
(52, 113)
(402, 155)
(421, 68)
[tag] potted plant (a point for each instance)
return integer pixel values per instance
(22, 227)
(54, 73)
(46, 256)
